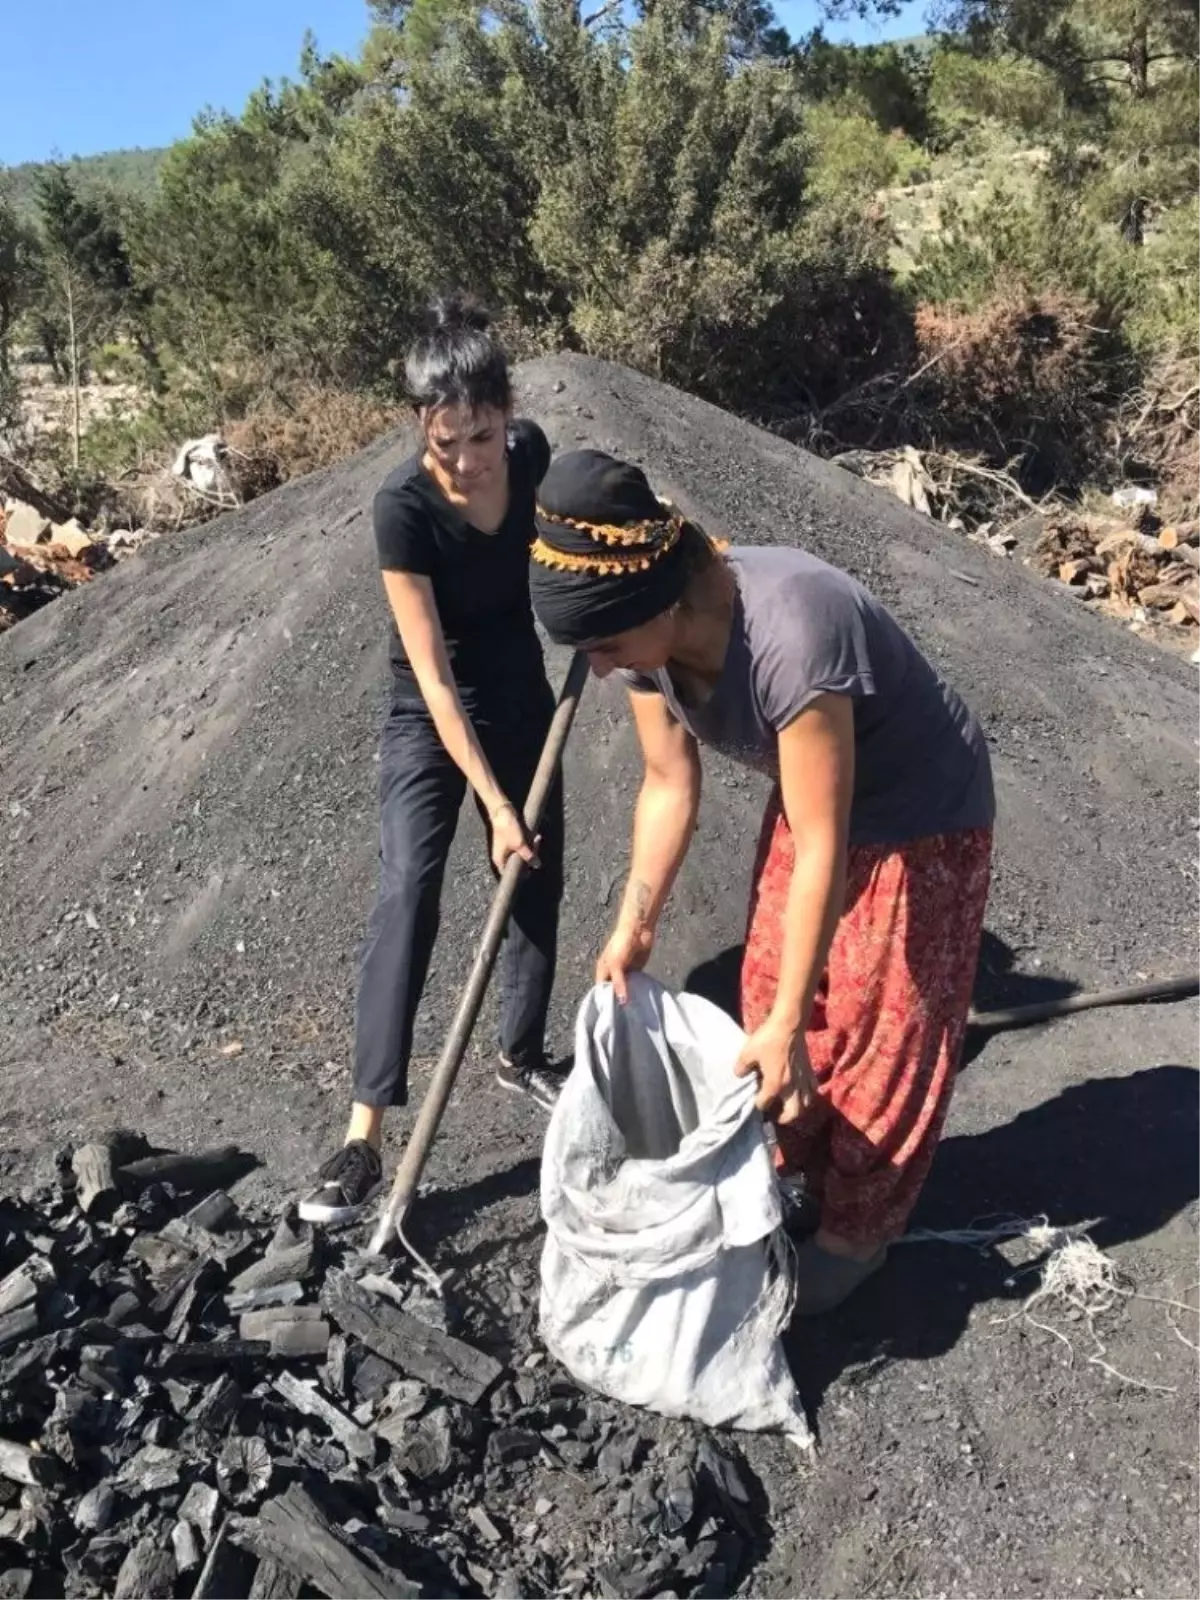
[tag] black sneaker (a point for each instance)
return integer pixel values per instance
(522, 1078)
(801, 1208)
(350, 1180)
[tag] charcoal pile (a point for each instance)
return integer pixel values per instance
(196, 1402)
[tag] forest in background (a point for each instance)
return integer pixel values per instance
(983, 242)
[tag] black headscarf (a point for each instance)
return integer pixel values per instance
(609, 555)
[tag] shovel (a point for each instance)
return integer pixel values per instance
(433, 1107)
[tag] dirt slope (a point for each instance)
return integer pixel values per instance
(187, 788)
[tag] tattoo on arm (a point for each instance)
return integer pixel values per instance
(641, 897)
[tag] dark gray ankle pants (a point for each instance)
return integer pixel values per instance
(421, 794)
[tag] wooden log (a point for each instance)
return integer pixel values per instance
(292, 1530)
(20, 1464)
(282, 1267)
(228, 1570)
(95, 1167)
(306, 1399)
(1160, 597)
(438, 1359)
(1124, 539)
(95, 1177)
(273, 1581)
(1074, 571)
(1180, 536)
(204, 1169)
(1188, 601)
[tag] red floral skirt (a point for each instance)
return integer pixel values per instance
(889, 1017)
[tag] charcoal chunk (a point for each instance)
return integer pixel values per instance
(507, 1445)
(293, 1529)
(722, 1476)
(21, 1464)
(94, 1512)
(215, 1212)
(185, 1544)
(271, 1294)
(243, 1469)
(305, 1398)
(274, 1581)
(228, 1570)
(285, 1266)
(205, 1169)
(200, 1506)
(153, 1468)
(147, 1572)
(619, 1457)
(419, 1350)
(423, 1448)
(217, 1407)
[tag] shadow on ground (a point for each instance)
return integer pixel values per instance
(998, 983)
(1071, 1159)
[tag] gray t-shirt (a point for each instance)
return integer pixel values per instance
(800, 629)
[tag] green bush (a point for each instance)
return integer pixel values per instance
(853, 158)
(968, 93)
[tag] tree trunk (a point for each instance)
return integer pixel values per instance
(1133, 228)
(73, 341)
(1139, 62)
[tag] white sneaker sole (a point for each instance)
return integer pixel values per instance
(530, 1094)
(318, 1211)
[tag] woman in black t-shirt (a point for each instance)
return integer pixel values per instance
(471, 707)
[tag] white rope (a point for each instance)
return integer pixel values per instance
(1075, 1275)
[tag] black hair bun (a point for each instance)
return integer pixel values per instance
(456, 359)
(458, 312)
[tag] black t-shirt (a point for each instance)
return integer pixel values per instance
(480, 580)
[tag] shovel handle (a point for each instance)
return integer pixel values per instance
(441, 1085)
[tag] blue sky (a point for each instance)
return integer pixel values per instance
(81, 76)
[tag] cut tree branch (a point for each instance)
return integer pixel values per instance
(605, 10)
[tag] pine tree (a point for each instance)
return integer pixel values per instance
(85, 273)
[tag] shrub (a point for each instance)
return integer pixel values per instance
(1025, 377)
(306, 428)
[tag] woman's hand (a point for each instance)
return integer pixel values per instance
(509, 837)
(627, 950)
(779, 1054)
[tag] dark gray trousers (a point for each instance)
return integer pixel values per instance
(421, 794)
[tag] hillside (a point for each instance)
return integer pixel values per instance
(132, 172)
(187, 774)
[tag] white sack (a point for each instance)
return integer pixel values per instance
(664, 1273)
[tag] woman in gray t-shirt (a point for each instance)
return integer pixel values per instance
(872, 872)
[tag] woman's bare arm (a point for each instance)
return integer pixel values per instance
(663, 823)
